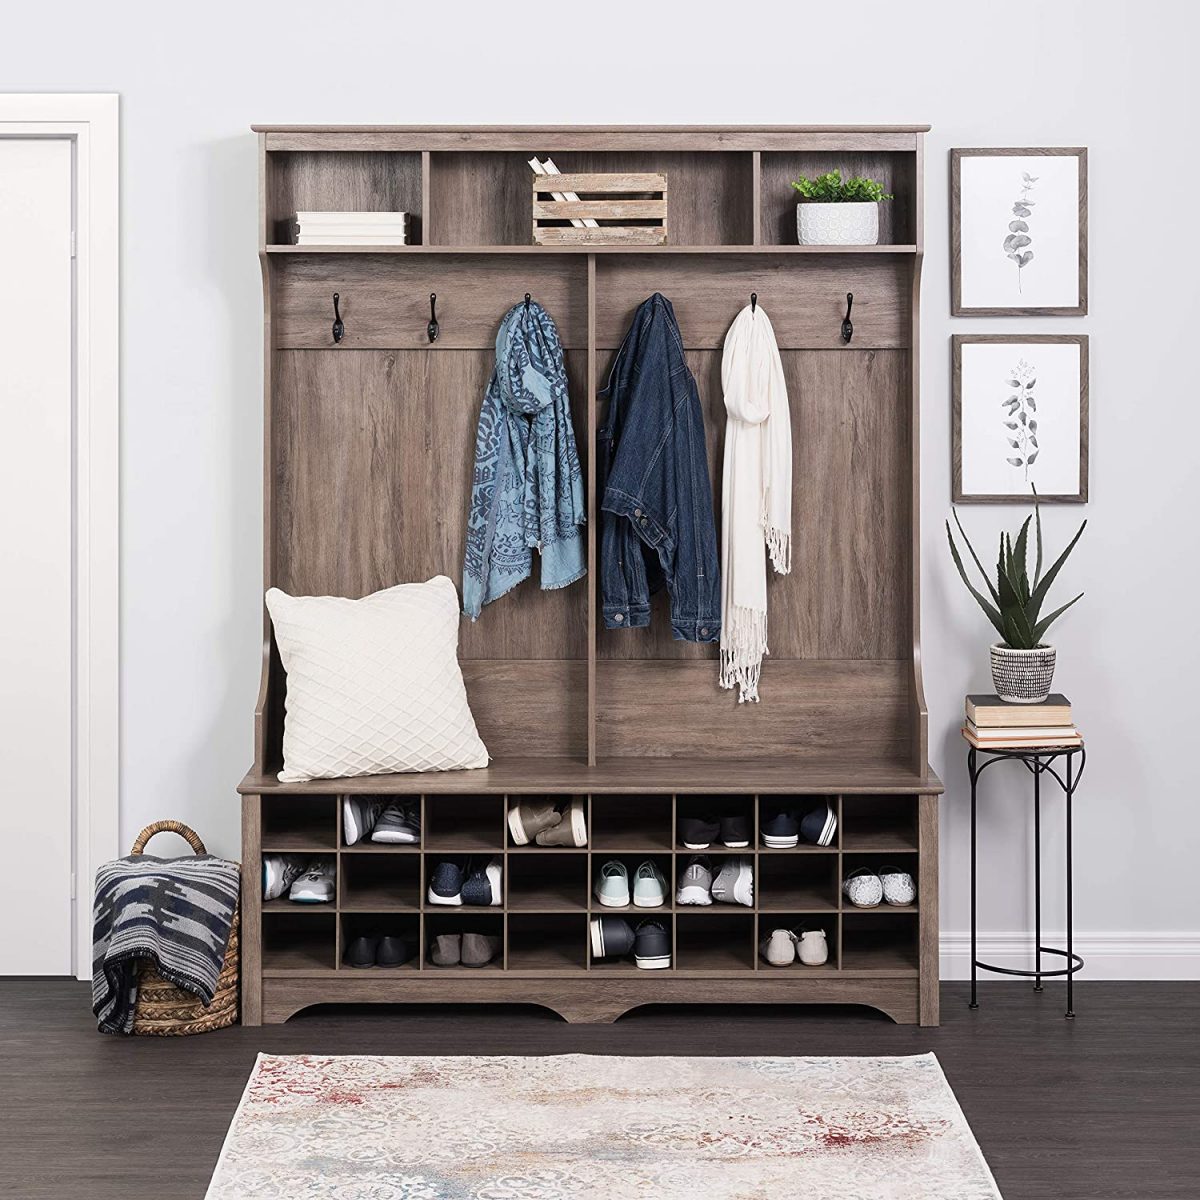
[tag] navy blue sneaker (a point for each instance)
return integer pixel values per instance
(445, 885)
(820, 825)
(698, 833)
(611, 937)
(652, 947)
(781, 830)
(482, 886)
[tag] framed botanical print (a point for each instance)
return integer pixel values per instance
(1020, 418)
(1018, 232)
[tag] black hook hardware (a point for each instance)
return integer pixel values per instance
(847, 324)
(528, 297)
(433, 329)
(339, 326)
(753, 301)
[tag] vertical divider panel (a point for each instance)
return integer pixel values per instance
(589, 808)
(755, 857)
(505, 881)
(421, 931)
(426, 216)
(593, 584)
(918, 713)
(839, 874)
(928, 947)
(251, 900)
(756, 223)
(339, 882)
(675, 909)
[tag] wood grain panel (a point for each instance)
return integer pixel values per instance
(479, 199)
(385, 299)
(898, 218)
(927, 824)
(851, 709)
(349, 181)
(528, 707)
(848, 593)
(805, 297)
(372, 484)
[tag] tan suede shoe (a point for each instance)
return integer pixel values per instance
(478, 949)
(446, 950)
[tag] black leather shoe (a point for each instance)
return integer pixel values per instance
(361, 952)
(393, 952)
(735, 832)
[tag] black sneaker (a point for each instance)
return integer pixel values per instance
(611, 937)
(361, 952)
(735, 832)
(781, 831)
(652, 947)
(698, 833)
(445, 886)
(393, 952)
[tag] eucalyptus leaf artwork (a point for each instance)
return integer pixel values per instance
(1018, 240)
(1020, 416)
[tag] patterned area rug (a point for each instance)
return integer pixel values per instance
(579, 1126)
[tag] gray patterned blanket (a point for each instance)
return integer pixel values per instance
(175, 912)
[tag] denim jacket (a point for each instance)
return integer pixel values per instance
(657, 523)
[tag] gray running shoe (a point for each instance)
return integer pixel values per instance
(280, 871)
(400, 824)
(734, 883)
(695, 884)
(316, 885)
(359, 814)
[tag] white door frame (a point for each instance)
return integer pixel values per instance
(90, 121)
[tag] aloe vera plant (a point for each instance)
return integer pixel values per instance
(1015, 606)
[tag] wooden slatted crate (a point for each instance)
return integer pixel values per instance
(612, 200)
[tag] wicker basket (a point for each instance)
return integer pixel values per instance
(163, 1010)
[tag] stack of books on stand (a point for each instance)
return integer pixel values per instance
(351, 229)
(994, 724)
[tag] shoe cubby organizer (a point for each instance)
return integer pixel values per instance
(368, 455)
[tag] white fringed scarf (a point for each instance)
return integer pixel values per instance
(756, 505)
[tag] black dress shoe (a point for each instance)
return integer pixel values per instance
(393, 952)
(735, 832)
(361, 952)
(698, 833)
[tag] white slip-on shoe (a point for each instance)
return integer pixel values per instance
(898, 886)
(612, 885)
(734, 883)
(812, 948)
(695, 884)
(649, 886)
(359, 814)
(863, 888)
(779, 948)
(316, 884)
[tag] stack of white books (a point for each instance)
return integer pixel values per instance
(351, 228)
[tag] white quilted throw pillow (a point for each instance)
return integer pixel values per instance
(373, 685)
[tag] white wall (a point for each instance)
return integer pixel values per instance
(1116, 77)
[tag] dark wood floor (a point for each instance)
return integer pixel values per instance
(1105, 1107)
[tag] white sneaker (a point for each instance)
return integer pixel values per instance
(612, 885)
(280, 872)
(316, 885)
(359, 814)
(695, 884)
(649, 886)
(734, 883)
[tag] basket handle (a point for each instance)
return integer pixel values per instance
(185, 831)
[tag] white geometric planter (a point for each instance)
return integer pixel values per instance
(1022, 676)
(851, 224)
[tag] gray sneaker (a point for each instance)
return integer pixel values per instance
(695, 884)
(400, 824)
(734, 883)
(280, 871)
(359, 814)
(316, 885)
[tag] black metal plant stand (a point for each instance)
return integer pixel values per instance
(1038, 763)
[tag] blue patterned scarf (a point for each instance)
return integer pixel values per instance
(527, 490)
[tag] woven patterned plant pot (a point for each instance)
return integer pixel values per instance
(851, 224)
(164, 1010)
(1022, 676)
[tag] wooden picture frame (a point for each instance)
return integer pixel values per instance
(976, 434)
(979, 280)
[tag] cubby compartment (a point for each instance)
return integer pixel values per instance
(299, 943)
(796, 923)
(632, 862)
(489, 922)
(541, 942)
(631, 824)
(379, 882)
(800, 883)
(880, 824)
(896, 170)
(341, 181)
(707, 940)
(885, 942)
(713, 808)
(771, 806)
(299, 824)
(472, 824)
(547, 882)
(902, 860)
(380, 924)
(574, 810)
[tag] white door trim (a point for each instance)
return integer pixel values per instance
(91, 120)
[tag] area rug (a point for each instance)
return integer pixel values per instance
(579, 1126)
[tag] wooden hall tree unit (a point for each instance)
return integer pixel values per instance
(369, 448)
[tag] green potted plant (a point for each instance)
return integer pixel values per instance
(837, 212)
(1022, 664)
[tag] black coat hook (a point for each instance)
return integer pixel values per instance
(847, 324)
(753, 301)
(339, 326)
(433, 329)
(528, 297)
